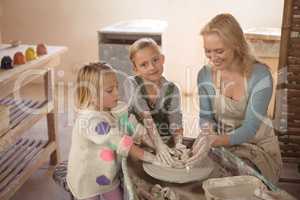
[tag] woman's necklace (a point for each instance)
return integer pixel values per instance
(232, 86)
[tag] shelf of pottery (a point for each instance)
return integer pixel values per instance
(21, 156)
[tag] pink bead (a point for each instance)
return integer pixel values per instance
(127, 141)
(107, 155)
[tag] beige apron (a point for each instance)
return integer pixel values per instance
(262, 150)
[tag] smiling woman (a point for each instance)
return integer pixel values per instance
(216, 51)
(235, 92)
(225, 45)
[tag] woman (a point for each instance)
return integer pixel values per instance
(235, 91)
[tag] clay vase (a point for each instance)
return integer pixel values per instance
(41, 49)
(30, 54)
(19, 58)
(6, 63)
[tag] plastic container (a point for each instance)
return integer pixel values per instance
(231, 188)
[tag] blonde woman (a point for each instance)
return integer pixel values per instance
(98, 141)
(235, 91)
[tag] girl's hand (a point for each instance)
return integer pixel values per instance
(163, 153)
(132, 120)
(162, 150)
(151, 158)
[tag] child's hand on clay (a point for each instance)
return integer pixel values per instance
(162, 150)
(151, 158)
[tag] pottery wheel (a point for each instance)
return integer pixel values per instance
(175, 175)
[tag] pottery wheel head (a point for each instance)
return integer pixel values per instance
(180, 175)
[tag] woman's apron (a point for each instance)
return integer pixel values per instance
(262, 150)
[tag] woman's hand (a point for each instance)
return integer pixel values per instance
(202, 144)
(205, 130)
(206, 139)
(200, 149)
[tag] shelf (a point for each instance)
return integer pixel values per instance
(23, 115)
(19, 161)
(20, 75)
(49, 60)
(20, 158)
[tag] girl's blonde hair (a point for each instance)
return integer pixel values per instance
(141, 44)
(89, 79)
(230, 31)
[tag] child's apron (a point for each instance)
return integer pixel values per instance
(159, 115)
(262, 150)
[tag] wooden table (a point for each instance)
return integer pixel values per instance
(20, 157)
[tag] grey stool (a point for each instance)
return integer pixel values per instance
(59, 176)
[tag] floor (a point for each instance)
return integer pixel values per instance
(41, 186)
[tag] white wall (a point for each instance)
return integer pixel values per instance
(74, 23)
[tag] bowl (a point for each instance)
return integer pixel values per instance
(231, 188)
(180, 175)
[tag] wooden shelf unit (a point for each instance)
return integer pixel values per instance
(21, 118)
(20, 157)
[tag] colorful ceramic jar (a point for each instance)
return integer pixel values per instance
(41, 49)
(19, 58)
(30, 54)
(6, 63)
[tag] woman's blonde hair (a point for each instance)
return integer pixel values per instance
(141, 44)
(230, 31)
(89, 79)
